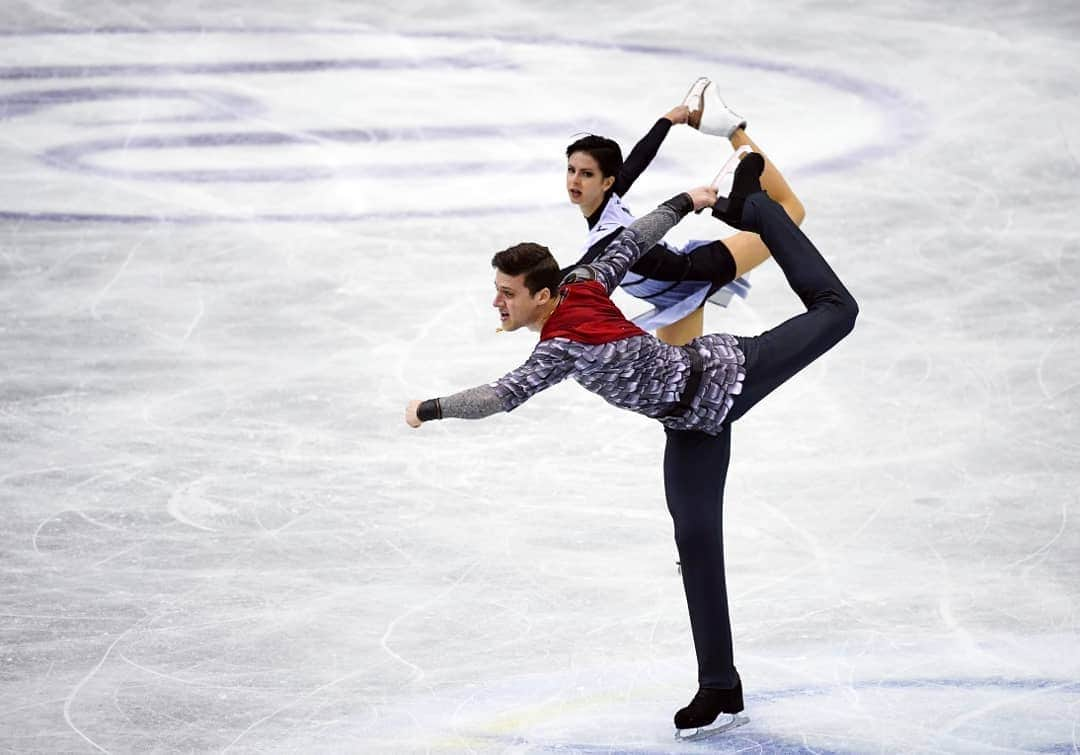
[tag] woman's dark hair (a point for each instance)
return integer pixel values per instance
(605, 151)
(535, 261)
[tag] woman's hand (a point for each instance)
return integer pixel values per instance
(680, 114)
(411, 419)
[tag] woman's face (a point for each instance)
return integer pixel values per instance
(585, 183)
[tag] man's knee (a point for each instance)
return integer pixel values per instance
(842, 310)
(848, 312)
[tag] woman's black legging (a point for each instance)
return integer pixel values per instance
(696, 463)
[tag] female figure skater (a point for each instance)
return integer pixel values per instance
(695, 391)
(676, 281)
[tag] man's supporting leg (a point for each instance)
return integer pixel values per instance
(695, 471)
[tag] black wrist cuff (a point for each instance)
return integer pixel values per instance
(429, 410)
(681, 203)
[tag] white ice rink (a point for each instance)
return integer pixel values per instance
(237, 237)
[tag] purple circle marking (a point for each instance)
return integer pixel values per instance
(210, 105)
(246, 67)
(218, 106)
(72, 156)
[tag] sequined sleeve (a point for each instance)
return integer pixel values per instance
(472, 403)
(610, 267)
(549, 363)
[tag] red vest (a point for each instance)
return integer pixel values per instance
(588, 315)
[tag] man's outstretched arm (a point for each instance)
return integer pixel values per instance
(550, 363)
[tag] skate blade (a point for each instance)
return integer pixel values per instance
(694, 101)
(724, 722)
(730, 166)
(693, 98)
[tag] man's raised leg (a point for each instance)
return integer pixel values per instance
(779, 353)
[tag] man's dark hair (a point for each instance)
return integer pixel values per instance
(605, 151)
(535, 261)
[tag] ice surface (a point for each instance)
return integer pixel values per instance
(237, 238)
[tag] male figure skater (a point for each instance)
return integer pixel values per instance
(696, 391)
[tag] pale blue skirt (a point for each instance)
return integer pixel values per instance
(672, 301)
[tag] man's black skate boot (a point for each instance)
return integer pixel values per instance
(747, 181)
(710, 712)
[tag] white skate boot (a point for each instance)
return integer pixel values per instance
(716, 117)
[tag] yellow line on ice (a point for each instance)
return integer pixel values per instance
(514, 722)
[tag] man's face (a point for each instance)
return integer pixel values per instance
(517, 307)
(585, 183)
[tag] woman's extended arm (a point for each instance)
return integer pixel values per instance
(645, 150)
